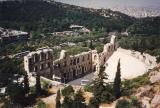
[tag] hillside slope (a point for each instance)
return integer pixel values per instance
(146, 26)
(43, 16)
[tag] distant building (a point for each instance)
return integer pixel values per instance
(80, 29)
(8, 36)
(75, 30)
(65, 33)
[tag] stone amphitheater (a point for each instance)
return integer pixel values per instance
(71, 67)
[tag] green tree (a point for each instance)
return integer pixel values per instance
(93, 103)
(135, 102)
(68, 91)
(15, 92)
(8, 69)
(26, 83)
(100, 89)
(117, 82)
(58, 97)
(123, 104)
(38, 84)
(41, 104)
(79, 100)
(101, 76)
(67, 103)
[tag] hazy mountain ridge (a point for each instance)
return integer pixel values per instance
(139, 11)
(136, 8)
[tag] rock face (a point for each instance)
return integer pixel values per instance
(155, 103)
(155, 78)
(155, 75)
(150, 94)
(143, 91)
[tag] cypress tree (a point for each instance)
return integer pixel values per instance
(117, 82)
(58, 103)
(38, 84)
(26, 84)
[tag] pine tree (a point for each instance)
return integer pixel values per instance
(99, 86)
(101, 76)
(117, 82)
(26, 84)
(38, 84)
(58, 103)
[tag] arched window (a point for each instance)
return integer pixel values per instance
(95, 57)
(35, 69)
(88, 56)
(83, 58)
(71, 62)
(77, 60)
(36, 58)
(74, 62)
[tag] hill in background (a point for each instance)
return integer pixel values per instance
(45, 16)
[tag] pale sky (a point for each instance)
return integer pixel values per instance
(113, 3)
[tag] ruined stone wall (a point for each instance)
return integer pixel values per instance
(67, 67)
(40, 61)
(72, 67)
(108, 50)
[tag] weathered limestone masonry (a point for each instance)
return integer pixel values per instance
(72, 67)
(68, 67)
(40, 61)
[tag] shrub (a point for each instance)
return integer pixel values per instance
(135, 102)
(123, 104)
(88, 88)
(67, 91)
(41, 104)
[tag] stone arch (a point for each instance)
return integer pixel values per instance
(95, 57)
(77, 60)
(83, 70)
(36, 58)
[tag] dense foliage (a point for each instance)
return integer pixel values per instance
(130, 86)
(146, 26)
(72, 99)
(124, 103)
(102, 91)
(10, 71)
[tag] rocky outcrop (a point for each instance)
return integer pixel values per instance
(155, 74)
(155, 103)
(150, 94)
